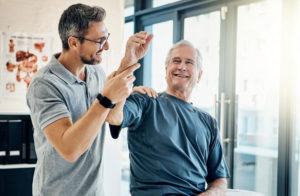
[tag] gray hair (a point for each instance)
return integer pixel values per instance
(76, 20)
(185, 43)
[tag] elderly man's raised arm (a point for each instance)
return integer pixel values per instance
(136, 48)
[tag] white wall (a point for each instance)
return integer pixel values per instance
(42, 17)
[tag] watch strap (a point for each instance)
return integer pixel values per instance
(105, 102)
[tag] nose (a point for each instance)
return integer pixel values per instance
(182, 66)
(106, 46)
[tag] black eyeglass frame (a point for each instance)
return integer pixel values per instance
(101, 43)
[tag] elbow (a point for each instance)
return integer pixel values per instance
(71, 157)
(113, 121)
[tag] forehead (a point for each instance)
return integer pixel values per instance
(97, 29)
(184, 52)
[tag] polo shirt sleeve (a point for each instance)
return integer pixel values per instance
(46, 103)
(132, 113)
(216, 165)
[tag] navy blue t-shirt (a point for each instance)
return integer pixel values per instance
(174, 146)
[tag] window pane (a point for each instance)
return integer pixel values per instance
(157, 3)
(129, 8)
(155, 58)
(257, 89)
(207, 43)
(128, 31)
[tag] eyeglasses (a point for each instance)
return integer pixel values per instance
(101, 43)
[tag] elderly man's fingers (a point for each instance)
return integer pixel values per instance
(130, 80)
(138, 40)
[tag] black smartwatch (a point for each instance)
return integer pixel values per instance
(105, 102)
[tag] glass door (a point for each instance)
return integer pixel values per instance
(257, 96)
(242, 62)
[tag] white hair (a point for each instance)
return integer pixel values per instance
(185, 43)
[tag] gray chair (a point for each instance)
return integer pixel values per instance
(237, 192)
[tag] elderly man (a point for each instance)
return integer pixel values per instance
(69, 100)
(174, 147)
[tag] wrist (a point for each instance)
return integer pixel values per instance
(126, 62)
(105, 101)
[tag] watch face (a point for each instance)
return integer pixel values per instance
(105, 102)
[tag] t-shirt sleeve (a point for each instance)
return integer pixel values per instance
(46, 103)
(216, 165)
(132, 114)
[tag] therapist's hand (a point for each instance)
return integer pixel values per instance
(118, 87)
(145, 90)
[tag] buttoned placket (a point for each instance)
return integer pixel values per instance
(88, 92)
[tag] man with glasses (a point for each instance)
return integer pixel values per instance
(69, 100)
(174, 147)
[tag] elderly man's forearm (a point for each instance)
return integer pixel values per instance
(216, 188)
(115, 116)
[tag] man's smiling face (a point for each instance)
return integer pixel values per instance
(182, 72)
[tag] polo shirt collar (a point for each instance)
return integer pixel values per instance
(59, 70)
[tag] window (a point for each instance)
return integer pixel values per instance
(163, 36)
(258, 52)
(204, 32)
(157, 3)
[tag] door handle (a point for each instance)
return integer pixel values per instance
(222, 103)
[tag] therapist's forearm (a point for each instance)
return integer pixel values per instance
(216, 188)
(78, 137)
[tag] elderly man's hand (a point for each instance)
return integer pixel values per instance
(136, 48)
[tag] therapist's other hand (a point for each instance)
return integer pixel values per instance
(145, 90)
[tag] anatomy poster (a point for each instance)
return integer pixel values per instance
(22, 55)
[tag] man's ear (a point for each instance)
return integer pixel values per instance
(166, 67)
(199, 76)
(73, 42)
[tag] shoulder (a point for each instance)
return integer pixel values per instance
(44, 83)
(42, 78)
(138, 100)
(138, 97)
(207, 119)
(205, 115)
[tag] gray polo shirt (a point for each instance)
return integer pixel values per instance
(55, 93)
